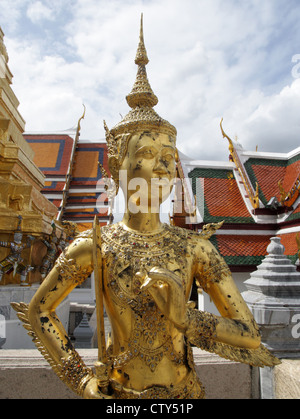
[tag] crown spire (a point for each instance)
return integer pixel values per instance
(141, 54)
(142, 99)
(141, 93)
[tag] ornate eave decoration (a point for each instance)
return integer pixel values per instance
(252, 195)
(287, 199)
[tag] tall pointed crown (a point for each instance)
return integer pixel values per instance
(142, 99)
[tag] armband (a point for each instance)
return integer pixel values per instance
(74, 373)
(201, 326)
(69, 270)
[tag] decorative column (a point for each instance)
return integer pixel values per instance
(273, 295)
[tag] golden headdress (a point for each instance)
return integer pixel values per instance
(141, 117)
(142, 99)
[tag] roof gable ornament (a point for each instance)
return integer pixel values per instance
(287, 199)
(253, 195)
(70, 170)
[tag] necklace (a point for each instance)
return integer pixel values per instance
(169, 240)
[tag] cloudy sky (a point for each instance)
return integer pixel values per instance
(236, 59)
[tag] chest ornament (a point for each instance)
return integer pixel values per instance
(126, 254)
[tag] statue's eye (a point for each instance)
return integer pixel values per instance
(168, 157)
(146, 153)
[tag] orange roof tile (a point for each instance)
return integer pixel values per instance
(236, 245)
(223, 198)
(291, 175)
(268, 178)
(290, 243)
(268, 172)
(52, 152)
(242, 250)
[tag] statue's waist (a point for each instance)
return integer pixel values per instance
(151, 357)
(189, 387)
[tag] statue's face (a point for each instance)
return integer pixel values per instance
(149, 167)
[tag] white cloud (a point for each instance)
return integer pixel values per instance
(11, 12)
(38, 11)
(275, 124)
(207, 60)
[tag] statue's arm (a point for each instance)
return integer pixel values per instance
(5, 244)
(234, 334)
(70, 269)
(235, 325)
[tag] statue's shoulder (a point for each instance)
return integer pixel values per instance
(86, 234)
(108, 230)
(81, 245)
(183, 234)
(205, 233)
(82, 238)
(196, 237)
(178, 231)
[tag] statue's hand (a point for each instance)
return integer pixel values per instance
(93, 391)
(167, 291)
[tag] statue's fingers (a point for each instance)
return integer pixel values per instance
(140, 275)
(149, 281)
(160, 275)
(165, 276)
(158, 296)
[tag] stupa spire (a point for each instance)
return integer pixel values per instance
(141, 54)
(141, 99)
(141, 94)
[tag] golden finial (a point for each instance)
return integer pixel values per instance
(141, 54)
(141, 93)
(81, 118)
(142, 100)
(79, 125)
(253, 196)
(223, 132)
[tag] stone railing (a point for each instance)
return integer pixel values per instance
(26, 375)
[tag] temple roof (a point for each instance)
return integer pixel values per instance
(51, 153)
(268, 172)
(221, 198)
(223, 189)
(85, 194)
(242, 250)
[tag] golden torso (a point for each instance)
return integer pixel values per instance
(145, 343)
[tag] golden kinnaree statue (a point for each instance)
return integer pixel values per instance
(144, 271)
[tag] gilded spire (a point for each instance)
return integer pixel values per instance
(142, 99)
(141, 54)
(141, 93)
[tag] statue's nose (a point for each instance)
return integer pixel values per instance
(160, 166)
